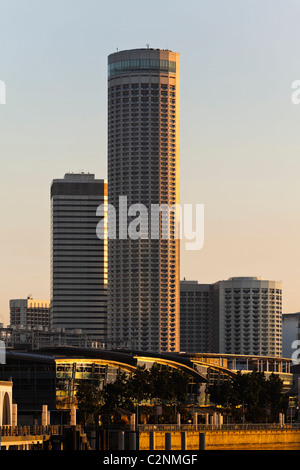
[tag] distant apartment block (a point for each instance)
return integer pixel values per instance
(247, 316)
(241, 315)
(195, 316)
(78, 256)
(30, 313)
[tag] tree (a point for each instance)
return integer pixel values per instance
(179, 386)
(127, 391)
(168, 384)
(118, 394)
(140, 384)
(278, 401)
(89, 401)
(160, 384)
(257, 395)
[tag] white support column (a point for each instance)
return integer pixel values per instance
(73, 415)
(132, 422)
(14, 420)
(281, 419)
(44, 415)
(1, 406)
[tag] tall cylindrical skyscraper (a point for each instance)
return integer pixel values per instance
(143, 170)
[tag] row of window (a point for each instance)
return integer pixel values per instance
(139, 65)
(142, 86)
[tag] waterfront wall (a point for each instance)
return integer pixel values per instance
(218, 439)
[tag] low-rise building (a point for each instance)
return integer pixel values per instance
(30, 312)
(50, 376)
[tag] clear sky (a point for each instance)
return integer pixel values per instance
(240, 132)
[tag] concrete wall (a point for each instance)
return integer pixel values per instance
(223, 439)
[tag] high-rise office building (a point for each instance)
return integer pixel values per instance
(78, 256)
(143, 167)
(195, 317)
(247, 316)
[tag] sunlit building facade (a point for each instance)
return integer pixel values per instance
(143, 167)
(29, 312)
(247, 316)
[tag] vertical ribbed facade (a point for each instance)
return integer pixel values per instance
(195, 317)
(143, 166)
(78, 256)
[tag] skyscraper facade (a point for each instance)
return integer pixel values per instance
(78, 256)
(290, 333)
(143, 168)
(195, 317)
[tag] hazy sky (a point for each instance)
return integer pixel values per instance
(240, 131)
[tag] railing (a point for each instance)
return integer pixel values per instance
(58, 429)
(215, 427)
(30, 430)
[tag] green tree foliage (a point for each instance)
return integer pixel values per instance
(89, 401)
(257, 397)
(118, 394)
(160, 384)
(140, 384)
(278, 401)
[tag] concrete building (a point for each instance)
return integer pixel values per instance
(29, 313)
(143, 167)
(195, 317)
(247, 316)
(290, 333)
(19, 336)
(78, 256)
(50, 376)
